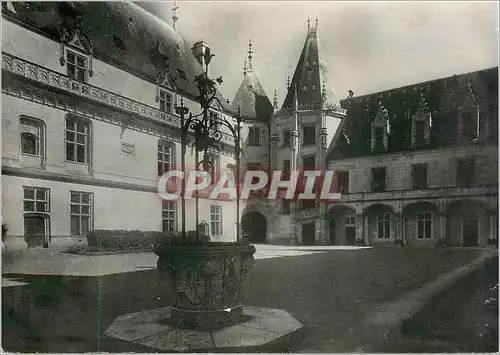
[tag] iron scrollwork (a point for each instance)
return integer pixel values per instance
(204, 129)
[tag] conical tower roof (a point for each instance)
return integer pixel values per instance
(311, 77)
(251, 98)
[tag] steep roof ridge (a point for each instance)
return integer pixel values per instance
(420, 83)
(327, 93)
(311, 77)
(251, 98)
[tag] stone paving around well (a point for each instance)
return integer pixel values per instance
(347, 299)
(49, 262)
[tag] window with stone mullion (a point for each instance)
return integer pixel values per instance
(35, 199)
(77, 66)
(77, 141)
(169, 216)
(165, 158)
(80, 212)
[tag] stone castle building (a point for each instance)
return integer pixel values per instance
(89, 125)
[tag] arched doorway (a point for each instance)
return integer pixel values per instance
(341, 225)
(254, 226)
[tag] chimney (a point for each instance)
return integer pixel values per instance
(199, 49)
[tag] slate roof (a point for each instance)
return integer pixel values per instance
(122, 33)
(445, 98)
(252, 99)
(310, 77)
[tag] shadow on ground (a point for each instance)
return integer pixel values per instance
(462, 318)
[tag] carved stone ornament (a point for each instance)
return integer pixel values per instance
(205, 278)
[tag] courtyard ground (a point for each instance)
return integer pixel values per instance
(332, 291)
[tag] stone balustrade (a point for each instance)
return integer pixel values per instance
(63, 82)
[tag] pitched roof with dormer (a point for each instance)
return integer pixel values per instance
(446, 99)
(311, 77)
(121, 33)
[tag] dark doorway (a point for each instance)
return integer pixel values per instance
(471, 231)
(332, 231)
(254, 226)
(350, 230)
(35, 231)
(308, 233)
(350, 235)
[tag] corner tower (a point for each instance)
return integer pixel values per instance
(257, 110)
(305, 126)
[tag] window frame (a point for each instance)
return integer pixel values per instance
(216, 211)
(386, 226)
(69, 64)
(373, 179)
(40, 139)
(341, 187)
(468, 167)
(414, 170)
(350, 221)
(171, 209)
(81, 214)
(307, 143)
(75, 143)
(420, 140)
(424, 217)
(171, 163)
(254, 136)
(35, 200)
(473, 135)
(379, 146)
(168, 104)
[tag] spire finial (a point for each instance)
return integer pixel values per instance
(296, 97)
(174, 16)
(250, 52)
(275, 100)
(308, 23)
(245, 68)
(317, 22)
(288, 82)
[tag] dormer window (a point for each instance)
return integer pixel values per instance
(379, 135)
(77, 65)
(380, 132)
(421, 126)
(165, 101)
(470, 125)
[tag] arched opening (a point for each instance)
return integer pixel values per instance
(342, 226)
(467, 223)
(254, 226)
(380, 223)
(421, 223)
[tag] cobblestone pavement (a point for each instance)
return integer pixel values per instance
(331, 291)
